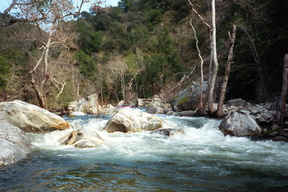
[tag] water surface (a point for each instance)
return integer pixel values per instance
(201, 160)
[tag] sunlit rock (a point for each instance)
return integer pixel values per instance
(129, 120)
(14, 144)
(239, 124)
(77, 113)
(31, 118)
(89, 105)
(82, 138)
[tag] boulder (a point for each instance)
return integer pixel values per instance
(265, 117)
(89, 105)
(168, 132)
(14, 144)
(129, 120)
(239, 124)
(188, 99)
(155, 110)
(82, 138)
(31, 118)
(236, 102)
(140, 102)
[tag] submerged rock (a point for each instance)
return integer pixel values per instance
(31, 118)
(129, 120)
(14, 144)
(169, 132)
(82, 138)
(239, 124)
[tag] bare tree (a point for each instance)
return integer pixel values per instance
(213, 68)
(120, 71)
(281, 108)
(201, 107)
(227, 72)
(50, 16)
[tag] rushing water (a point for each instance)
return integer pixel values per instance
(201, 160)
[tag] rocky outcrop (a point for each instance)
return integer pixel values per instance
(88, 105)
(239, 123)
(14, 144)
(82, 138)
(129, 120)
(31, 118)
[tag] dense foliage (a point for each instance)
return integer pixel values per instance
(141, 47)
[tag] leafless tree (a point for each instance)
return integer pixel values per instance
(49, 17)
(281, 106)
(227, 72)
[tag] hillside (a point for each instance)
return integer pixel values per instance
(143, 47)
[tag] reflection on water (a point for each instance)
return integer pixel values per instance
(202, 160)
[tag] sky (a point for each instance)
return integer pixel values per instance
(5, 3)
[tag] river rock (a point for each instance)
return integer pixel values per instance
(88, 105)
(31, 118)
(239, 124)
(155, 110)
(129, 120)
(14, 144)
(188, 99)
(82, 138)
(168, 132)
(237, 102)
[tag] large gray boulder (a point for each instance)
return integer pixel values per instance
(239, 124)
(14, 144)
(89, 105)
(82, 138)
(31, 118)
(188, 99)
(129, 120)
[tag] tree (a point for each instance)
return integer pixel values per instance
(227, 72)
(281, 106)
(201, 107)
(213, 68)
(49, 15)
(252, 20)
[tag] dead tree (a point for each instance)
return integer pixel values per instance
(281, 108)
(227, 72)
(213, 68)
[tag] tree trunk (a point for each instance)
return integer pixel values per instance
(214, 64)
(227, 72)
(200, 106)
(280, 112)
(41, 98)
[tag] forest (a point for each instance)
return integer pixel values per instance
(52, 53)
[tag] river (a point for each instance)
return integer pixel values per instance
(201, 160)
